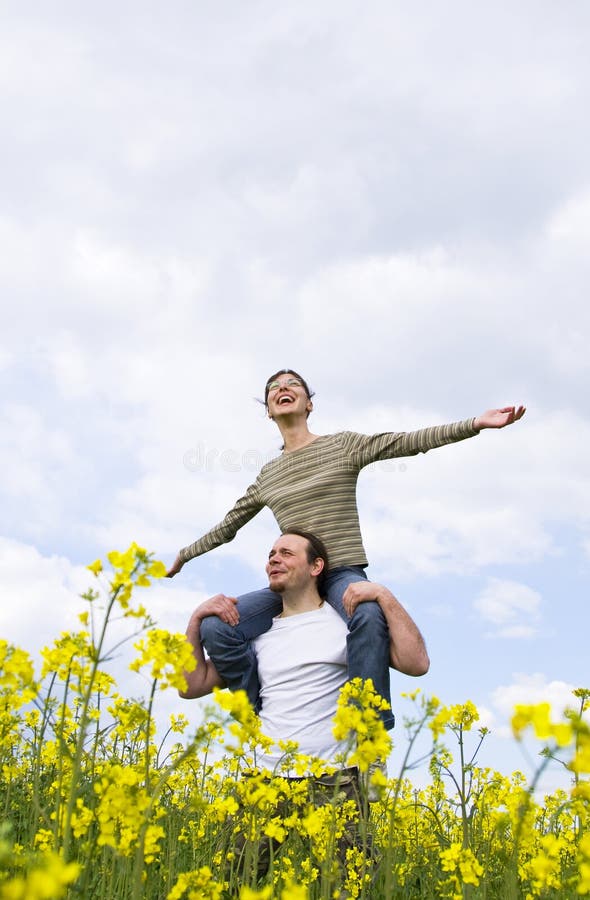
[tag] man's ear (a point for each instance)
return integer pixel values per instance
(318, 566)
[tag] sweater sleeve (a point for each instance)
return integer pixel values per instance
(244, 510)
(365, 449)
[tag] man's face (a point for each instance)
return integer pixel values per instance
(288, 567)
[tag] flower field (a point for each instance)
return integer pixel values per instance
(96, 805)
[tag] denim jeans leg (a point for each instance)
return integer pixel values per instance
(368, 635)
(230, 647)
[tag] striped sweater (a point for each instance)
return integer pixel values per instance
(314, 488)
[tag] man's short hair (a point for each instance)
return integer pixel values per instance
(316, 549)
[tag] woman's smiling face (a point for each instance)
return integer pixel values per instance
(286, 392)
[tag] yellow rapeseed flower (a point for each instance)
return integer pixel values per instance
(463, 867)
(82, 818)
(121, 812)
(44, 839)
(357, 723)
(440, 721)
(168, 657)
(538, 716)
(293, 891)
(48, 879)
(96, 566)
(580, 764)
(17, 676)
(247, 729)
(179, 723)
(460, 716)
(236, 703)
(196, 885)
(247, 893)
(275, 830)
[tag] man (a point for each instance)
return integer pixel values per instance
(302, 658)
(302, 664)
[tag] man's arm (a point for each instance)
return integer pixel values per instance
(407, 650)
(205, 676)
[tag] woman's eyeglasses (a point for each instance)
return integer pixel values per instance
(273, 386)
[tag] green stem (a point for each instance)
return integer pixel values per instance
(82, 728)
(389, 871)
(137, 892)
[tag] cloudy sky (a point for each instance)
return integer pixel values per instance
(393, 199)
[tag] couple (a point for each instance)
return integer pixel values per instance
(312, 485)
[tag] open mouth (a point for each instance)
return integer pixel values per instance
(284, 400)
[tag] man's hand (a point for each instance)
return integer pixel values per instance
(221, 606)
(359, 592)
(407, 651)
(175, 568)
(499, 418)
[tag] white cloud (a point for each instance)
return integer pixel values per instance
(512, 608)
(571, 223)
(71, 364)
(31, 447)
(487, 717)
(40, 594)
(528, 690)
(397, 294)
(6, 358)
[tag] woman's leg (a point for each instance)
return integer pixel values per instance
(230, 647)
(368, 635)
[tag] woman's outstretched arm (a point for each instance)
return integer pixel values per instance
(244, 510)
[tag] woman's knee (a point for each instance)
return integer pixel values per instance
(368, 615)
(215, 633)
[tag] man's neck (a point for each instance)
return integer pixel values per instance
(300, 602)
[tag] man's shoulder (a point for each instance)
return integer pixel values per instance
(328, 620)
(334, 619)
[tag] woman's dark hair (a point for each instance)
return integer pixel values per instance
(316, 549)
(286, 372)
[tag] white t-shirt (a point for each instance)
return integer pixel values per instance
(302, 665)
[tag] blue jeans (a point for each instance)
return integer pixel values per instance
(230, 647)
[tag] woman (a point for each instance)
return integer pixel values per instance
(312, 486)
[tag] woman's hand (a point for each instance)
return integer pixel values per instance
(221, 606)
(499, 418)
(175, 568)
